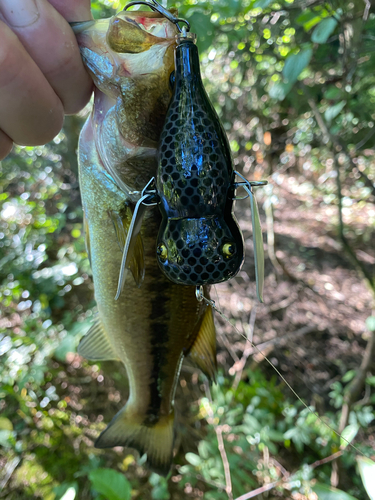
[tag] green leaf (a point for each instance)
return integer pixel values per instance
(160, 492)
(111, 484)
(280, 90)
(295, 64)
(275, 435)
(66, 491)
(68, 344)
(323, 31)
(370, 323)
(325, 492)
(5, 438)
(193, 459)
(333, 111)
(367, 470)
(333, 93)
(308, 19)
(348, 434)
(349, 375)
(6, 424)
(204, 29)
(70, 494)
(262, 4)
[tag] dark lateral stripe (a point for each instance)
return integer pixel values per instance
(159, 338)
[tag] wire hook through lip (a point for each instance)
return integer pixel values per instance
(154, 5)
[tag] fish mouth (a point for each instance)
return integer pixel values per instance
(127, 25)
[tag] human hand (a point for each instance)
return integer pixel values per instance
(42, 76)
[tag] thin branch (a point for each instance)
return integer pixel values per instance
(358, 263)
(272, 342)
(338, 145)
(355, 387)
(367, 9)
(365, 139)
(281, 339)
(335, 143)
(271, 236)
(283, 482)
(327, 459)
(8, 471)
(220, 441)
(240, 365)
(259, 491)
(352, 392)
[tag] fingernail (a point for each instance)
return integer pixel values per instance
(19, 13)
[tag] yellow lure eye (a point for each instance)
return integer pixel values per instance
(229, 249)
(162, 252)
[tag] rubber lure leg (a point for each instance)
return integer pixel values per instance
(134, 229)
(257, 235)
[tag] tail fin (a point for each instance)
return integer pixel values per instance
(126, 429)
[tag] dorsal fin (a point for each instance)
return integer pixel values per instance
(203, 351)
(95, 345)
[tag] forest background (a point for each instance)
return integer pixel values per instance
(294, 84)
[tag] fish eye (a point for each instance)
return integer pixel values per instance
(172, 79)
(162, 252)
(229, 249)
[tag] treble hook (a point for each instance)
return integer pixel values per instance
(155, 6)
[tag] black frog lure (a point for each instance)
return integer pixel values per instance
(199, 241)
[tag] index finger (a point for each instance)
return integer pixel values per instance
(73, 10)
(52, 45)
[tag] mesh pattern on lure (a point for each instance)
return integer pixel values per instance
(199, 241)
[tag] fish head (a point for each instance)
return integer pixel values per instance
(200, 251)
(136, 45)
(130, 58)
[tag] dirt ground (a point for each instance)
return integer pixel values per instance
(312, 322)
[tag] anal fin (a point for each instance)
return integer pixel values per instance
(95, 345)
(203, 351)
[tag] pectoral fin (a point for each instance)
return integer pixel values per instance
(95, 345)
(133, 247)
(119, 223)
(203, 351)
(135, 260)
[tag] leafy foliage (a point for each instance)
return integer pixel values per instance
(294, 85)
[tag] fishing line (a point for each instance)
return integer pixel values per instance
(320, 419)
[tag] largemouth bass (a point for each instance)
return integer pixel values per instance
(154, 323)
